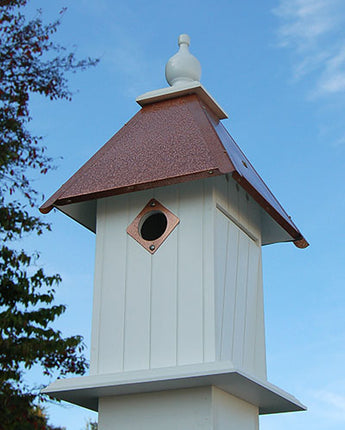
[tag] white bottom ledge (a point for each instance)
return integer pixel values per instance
(86, 390)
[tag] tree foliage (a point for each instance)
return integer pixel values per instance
(91, 425)
(18, 411)
(30, 63)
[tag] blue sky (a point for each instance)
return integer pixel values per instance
(278, 69)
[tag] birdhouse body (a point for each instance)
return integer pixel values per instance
(180, 216)
(197, 300)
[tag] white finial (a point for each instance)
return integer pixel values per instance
(183, 73)
(183, 67)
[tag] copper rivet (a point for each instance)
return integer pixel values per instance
(152, 204)
(152, 247)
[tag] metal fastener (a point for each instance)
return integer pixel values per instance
(152, 247)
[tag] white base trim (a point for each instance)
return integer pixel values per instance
(86, 390)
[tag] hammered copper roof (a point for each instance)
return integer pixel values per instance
(165, 143)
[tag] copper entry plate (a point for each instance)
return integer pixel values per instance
(152, 225)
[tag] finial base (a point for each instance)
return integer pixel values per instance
(180, 90)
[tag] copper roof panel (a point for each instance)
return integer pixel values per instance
(169, 142)
(163, 143)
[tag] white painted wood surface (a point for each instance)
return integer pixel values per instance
(232, 413)
(85, 214)
(190, 276)
(86, 390)
(197, 299)
(150, 310)
(205, 408)
(238, 280)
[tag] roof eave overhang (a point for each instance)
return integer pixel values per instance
(298, 240)
(130, 188)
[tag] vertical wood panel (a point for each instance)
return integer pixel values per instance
(138, 296)
(163, 307)
(97, 292)
(240, 301)
(254, 218)
(208, 272)
(220, 184)
(164, 290)
(232, 201)
(243, 207)
(260, 347)
(251, 307)
(113, 287)
(190, 292)
(221, 258)
(230, 292)
(239, 318)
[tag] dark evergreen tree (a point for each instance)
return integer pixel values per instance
(30, 62)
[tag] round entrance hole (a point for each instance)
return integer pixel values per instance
(153, 225)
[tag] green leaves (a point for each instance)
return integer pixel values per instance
(27, 312)
(18, 412)
(29, 63)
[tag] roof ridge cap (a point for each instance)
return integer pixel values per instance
(181, 90)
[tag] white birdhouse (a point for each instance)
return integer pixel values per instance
(180, 216)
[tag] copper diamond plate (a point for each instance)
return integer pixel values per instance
(134, 228)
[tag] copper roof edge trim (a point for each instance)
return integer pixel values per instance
(132, 188)
(301, 243)
(49, 204)
(45, 209)
(297, 238)
(180, 91)
(222, 128)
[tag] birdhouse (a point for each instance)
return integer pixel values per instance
(180, 216)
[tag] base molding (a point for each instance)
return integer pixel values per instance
(86, 390)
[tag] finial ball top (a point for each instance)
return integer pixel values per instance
(183, 38)
(183, 67)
